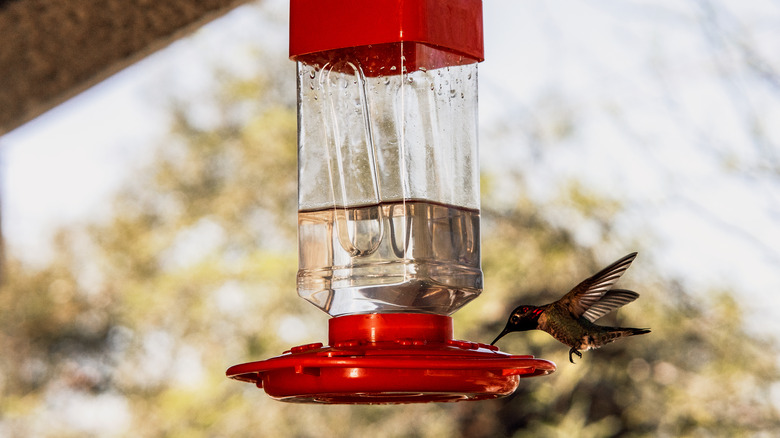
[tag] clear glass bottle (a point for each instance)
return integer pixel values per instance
(388, 179)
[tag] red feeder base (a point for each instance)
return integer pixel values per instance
(390, 358)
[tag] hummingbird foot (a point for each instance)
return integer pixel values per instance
(574, 351)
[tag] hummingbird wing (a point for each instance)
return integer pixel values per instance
(593, 289)
(609, 301)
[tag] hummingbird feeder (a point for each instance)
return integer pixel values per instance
(388, 201)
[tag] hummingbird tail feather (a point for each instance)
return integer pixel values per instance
(623, 332)
(636, 331)
(615, 333)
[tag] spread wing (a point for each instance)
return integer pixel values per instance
(609, 301)
(592, 290)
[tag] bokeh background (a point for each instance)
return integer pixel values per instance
(150, 241)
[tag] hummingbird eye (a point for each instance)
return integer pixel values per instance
(514, 319)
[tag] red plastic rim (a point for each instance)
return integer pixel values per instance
(323, 25)
(390, 358)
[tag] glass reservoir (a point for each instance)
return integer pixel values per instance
(388, 178)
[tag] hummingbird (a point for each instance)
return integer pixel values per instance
(571, 320)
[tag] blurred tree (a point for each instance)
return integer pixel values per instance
(698, 373)
(129, 329)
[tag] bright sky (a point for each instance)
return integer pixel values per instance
(61, 166)
(650, 64)
(657, 70)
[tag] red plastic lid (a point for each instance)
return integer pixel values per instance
(390, 358)
(323, 25)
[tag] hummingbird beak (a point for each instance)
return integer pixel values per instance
(500, 335)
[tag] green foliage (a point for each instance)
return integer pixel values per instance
(195, 271)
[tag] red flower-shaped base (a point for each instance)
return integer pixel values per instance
(390, 358)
